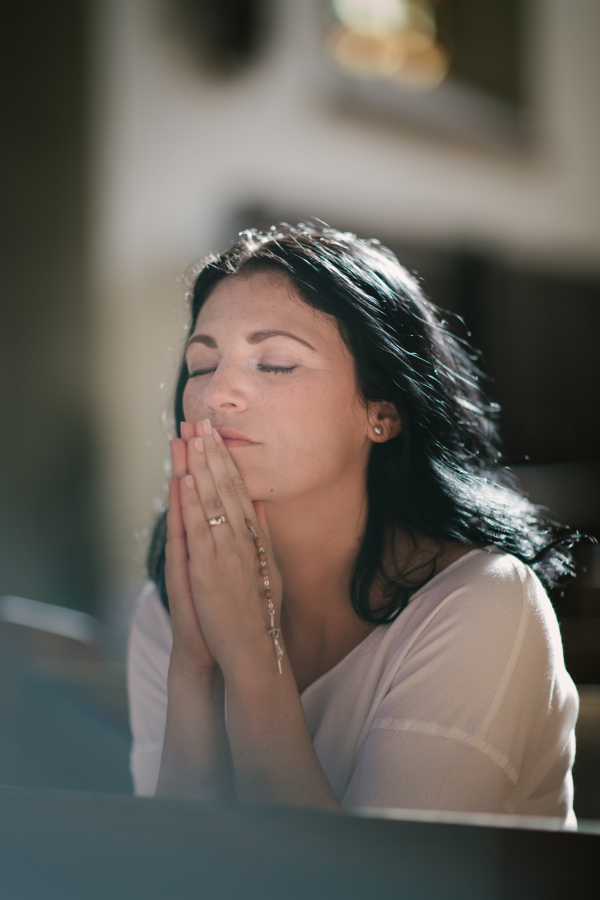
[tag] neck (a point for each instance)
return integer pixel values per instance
(315, 540)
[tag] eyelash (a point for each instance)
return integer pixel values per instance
(274, 370)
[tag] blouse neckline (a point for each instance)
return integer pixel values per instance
(383, 629)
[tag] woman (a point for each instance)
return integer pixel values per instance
(344, 557)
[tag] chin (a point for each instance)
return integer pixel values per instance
(256, 491)
(256, 483)
(259, 495)
(264, 494)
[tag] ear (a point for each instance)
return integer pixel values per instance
(383, 415)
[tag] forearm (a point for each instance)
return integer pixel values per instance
(196, 759)
(272, 751)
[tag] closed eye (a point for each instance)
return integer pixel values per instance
(262, 368)
(276, 369)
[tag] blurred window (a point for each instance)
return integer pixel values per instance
(455, 65)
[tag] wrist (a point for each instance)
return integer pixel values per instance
(182, 670)
(253, 666)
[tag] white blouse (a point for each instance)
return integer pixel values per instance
(463, 703)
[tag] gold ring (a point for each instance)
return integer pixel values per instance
(218, 520)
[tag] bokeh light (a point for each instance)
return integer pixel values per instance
(391, 40)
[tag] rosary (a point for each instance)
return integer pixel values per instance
(264, 572)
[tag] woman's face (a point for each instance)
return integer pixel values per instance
(293, 396)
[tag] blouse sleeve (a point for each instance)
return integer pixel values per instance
(481, 712)
(412, 770)
(149, 652)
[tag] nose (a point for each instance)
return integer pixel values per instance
(226, 388)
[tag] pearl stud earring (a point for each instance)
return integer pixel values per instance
(378, 429)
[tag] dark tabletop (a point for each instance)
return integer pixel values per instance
(66, 844)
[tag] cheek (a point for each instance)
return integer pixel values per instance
(322, 431)
(326, 407)
(193, 404)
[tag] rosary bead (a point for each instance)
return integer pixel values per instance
(262, 556)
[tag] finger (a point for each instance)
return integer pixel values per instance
(200, 544)
(176, 553)
(179, 458)
(260, 526)
(252, 511)
(215, 495)
(187, 431)
(222, 480)
(183, 613)
(175, 527)
(236, 479)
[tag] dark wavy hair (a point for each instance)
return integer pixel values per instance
(443, 475)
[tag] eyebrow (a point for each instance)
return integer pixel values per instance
(256, 337)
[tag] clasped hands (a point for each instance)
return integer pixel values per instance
(218, 609)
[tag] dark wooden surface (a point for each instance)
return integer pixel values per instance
(82, 846)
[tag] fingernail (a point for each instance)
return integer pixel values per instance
(217, 436)
(199, 443)
(207, 426)
(189, 481)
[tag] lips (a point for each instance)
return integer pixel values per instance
(233, 438)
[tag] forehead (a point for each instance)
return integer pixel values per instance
(263, 301)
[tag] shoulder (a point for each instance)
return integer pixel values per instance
(480, 651)
(150, 635)
(150, 619)
(149, 651)
(486, 608)
(486, 584)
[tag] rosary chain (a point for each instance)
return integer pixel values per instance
(262, 561)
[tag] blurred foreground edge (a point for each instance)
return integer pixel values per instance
(63, 701)
(72, 845)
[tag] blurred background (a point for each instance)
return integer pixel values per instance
(138, 135)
